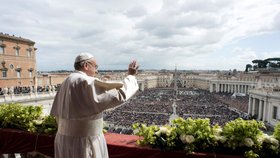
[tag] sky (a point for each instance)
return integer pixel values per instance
(159, 34)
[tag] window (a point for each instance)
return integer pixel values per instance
(17, 52)
(30, 71)
(29, 52)
(2, 47)
(18, 70)
(18, 74)
(274, 113)
(4, 73)
(30, 74)
(17, 48)
(1, 50)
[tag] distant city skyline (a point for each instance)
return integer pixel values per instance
(192, 34)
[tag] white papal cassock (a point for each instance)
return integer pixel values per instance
(78, 107)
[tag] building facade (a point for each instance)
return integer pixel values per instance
(17, 61)
(264, 104)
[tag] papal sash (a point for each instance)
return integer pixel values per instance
(80, 128)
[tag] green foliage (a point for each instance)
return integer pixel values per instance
(243, 135)
(271, 62)
(276, 132)
(197, 129)
(240, 133)
(248, 66)
(47, 125)
(251, 154)
(27, 118)
(18, 116)
(237, 136)
(163, 137)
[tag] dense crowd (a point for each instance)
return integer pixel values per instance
(154, 106)
(239, 102)
(19, 90)
(26, 90)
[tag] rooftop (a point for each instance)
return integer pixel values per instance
(13, 37)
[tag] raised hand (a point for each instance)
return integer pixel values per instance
(133, 67)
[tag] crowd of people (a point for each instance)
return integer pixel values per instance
(16, 90)
(27, 89)
(20, 90)
(239, 102)
(154, 106)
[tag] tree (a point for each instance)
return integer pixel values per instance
(234, 72)
(248, 66)
(260, 63)
(273, 62)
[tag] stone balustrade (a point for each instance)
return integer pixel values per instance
(9, 96)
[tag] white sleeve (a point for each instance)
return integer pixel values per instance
(130, 86)
(110, 98)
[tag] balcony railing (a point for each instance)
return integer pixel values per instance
(119, 146)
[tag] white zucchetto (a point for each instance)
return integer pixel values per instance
(83, 57)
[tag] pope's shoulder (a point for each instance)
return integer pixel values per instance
(79, 76)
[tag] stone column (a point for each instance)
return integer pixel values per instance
(268, 112)
(253, 109)
(211, 87)
(237, 88)
(215, 87)
(250, 105)
(264, 110)
(260, 110)
(257, 108)
(227, 88)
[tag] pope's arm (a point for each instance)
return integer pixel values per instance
(106, 99)
(117, 96)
